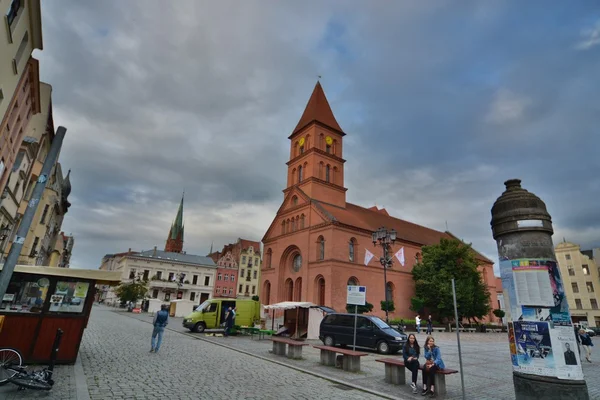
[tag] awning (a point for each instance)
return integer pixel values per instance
(101, 277)
(290, 305)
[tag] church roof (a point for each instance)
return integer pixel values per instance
(373, 218)
(180, 257)
(317, 110)
(177, 226)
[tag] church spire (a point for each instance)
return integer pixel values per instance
(175, 239)
(318, 110)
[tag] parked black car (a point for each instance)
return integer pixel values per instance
(371, 332)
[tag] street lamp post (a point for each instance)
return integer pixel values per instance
(385, 238)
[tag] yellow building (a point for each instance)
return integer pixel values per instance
(582, 283)
(249, 276)
(20, 34)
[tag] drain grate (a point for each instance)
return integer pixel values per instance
(343, 387)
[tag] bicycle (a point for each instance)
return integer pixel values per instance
(12, 370)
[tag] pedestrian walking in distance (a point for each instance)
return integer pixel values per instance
(229, 317)
(418, 323)
(586, 343)
(429, 325)
(161, 319)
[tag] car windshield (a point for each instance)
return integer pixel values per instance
(203, 305)
(380, 324)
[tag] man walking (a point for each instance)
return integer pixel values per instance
(229, 317)
(418, 323)
(429, 325)
(161, 319)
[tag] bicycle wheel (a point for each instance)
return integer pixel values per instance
(30, 383)
(9, 357)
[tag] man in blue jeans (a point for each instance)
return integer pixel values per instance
(161, 319)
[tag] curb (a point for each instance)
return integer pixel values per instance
(334, 380)
(81, 388)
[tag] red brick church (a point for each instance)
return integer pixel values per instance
(317, 242)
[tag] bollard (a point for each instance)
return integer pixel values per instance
(540, 330)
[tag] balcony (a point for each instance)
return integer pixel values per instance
(173, 285)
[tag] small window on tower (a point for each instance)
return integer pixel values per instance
(301, 149)
(328, 149)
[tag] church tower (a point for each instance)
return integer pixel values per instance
(316, 165)
(175, 239)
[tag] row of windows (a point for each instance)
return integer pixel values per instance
(247, 289)
(292, 224)
(145, 275)
(593, 304)
(585, 269)
(326, 173)
(589, 285)
(321, 249)
(224, 290)
(225, 277)
(256, 261)
(242, 272)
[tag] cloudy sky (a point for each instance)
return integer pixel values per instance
(441, 102)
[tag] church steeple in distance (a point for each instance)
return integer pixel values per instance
(175, 239)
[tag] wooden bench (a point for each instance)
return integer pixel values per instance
(471, 330)
(350, 362)
(438, 329)
(294, 347)
(395, 374)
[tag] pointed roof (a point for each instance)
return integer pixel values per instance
(178, 223)
(317, 110)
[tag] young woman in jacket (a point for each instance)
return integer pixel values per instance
(434, 362)
(411, 354)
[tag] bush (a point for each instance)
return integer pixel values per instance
(367, 308)
(255, 298)
(387, 305)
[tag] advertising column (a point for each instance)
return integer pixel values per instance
(543, 348)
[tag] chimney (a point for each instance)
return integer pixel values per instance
(129, 251)
(154, 252)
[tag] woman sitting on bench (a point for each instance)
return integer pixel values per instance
(433, 355)
(411, 354)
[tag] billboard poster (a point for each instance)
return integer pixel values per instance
(541, 336)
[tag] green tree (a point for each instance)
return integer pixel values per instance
(417, 304)
(367, 308)
(132, 291)
(387, 305)
(499, 313)
(255, 298)
(433, 280)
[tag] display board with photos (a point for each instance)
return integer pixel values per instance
(541, 335)
(25, 294)
(69, 297)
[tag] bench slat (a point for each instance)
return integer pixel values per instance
(400, 363)
(288, 341)
(341, 351)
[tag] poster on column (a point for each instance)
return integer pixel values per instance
(541, 335)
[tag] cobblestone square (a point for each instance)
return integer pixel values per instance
(115, 363)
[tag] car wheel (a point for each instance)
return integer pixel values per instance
(328, 341)
(199, 327)
(383, 347)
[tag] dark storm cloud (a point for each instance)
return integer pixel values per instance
(441, 102)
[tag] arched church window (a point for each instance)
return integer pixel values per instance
(302, 221)
(295, 200)
(297, 263)
(299, 173)
(328, 149)
(321, 248)
(351, 250)
(327, 173)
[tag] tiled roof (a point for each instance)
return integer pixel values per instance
(317, 109)
(180, 257)
(373, 218)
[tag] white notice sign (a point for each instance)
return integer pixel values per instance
(357, 295)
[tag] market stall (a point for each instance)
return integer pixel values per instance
(300, 319)
(39, 300)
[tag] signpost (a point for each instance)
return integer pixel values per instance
(357, 295)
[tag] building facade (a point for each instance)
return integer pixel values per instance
(317, 242)
(19, 77)
(581, 282)
(43, 238)
(227, 276)
(245, 257)
(170, 275)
